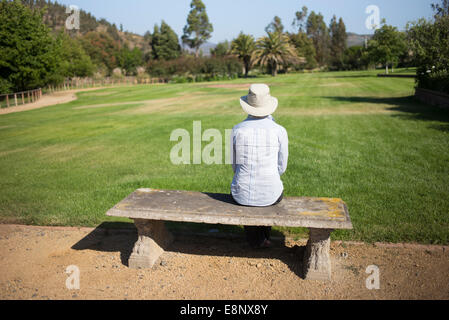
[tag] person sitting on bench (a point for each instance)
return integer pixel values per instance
(259, 158)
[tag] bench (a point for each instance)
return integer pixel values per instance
(149, 208)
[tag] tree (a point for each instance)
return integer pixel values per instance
(112, 31)
(130, 59)
(5, 86)
(338, 38)
(29, 56)
(304, 48)
(429, 42)
(442, 10)
(102, 49)
(164, 43)
(300, 19)
(75, 62)
(198, 29)
(304, 45)
(319, 33)
(355, 58)
(387, 45)
(222, 49)
(244, 47)
(275, 50)
(275, 26)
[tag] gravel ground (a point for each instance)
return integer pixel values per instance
(33, 262)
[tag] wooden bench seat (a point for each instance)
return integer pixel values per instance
(149, 208)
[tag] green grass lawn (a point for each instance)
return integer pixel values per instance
(352, 136)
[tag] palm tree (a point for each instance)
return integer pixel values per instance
(275, 50)
(244, 46)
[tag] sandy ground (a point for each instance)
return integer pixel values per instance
(47, 100)
(33, 262)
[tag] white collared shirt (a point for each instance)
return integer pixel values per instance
(259, 158)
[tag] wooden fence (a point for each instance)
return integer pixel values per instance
(19, 98)
(94, 83)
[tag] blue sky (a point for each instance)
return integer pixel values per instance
(229, 17)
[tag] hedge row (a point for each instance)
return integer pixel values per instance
(437, 81)
(191, 69)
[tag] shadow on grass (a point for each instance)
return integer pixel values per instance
(350, 76)
(120, 237)
(407, 108)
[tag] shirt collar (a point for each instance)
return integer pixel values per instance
(250, 117)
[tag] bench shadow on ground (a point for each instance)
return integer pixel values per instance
(120, 237)
(407, 107)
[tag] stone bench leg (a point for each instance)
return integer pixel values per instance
(317, 264)
(153, 239)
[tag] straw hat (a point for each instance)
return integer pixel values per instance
(259, 102)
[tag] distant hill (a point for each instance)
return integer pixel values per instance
(56, 16)
(355, 39)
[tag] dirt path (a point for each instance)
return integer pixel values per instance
(33, 261)
(47, 100)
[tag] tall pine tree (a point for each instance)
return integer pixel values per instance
(303, 44)
(164, 43)
(338, 38)
(319, 33)
(275, 26)
(198, 29)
